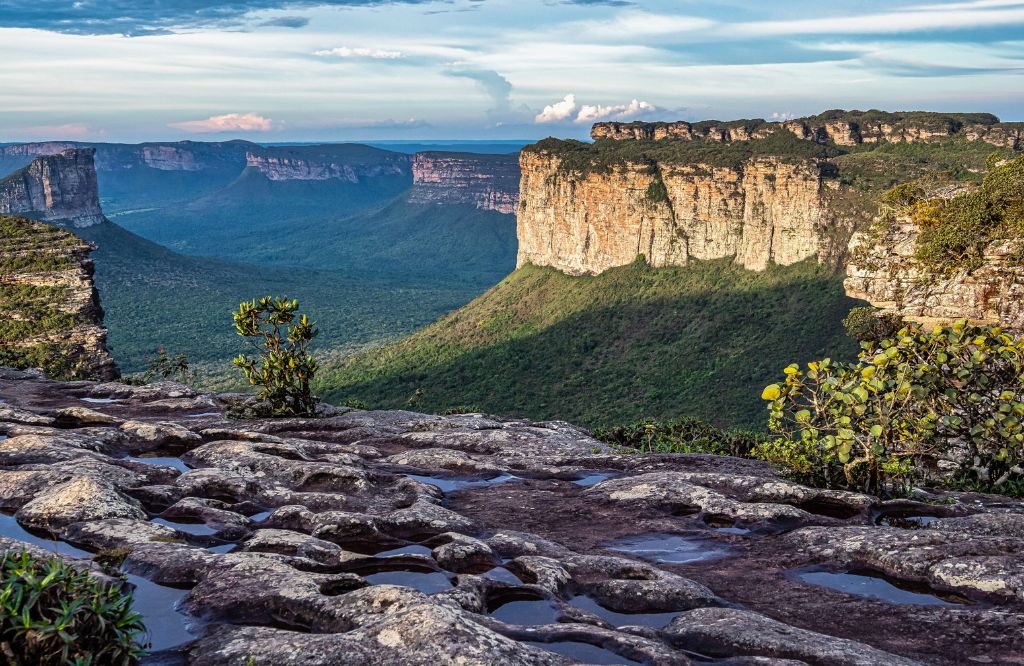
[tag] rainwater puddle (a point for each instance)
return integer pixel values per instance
(527, 612)
(221, 550)
(411, 549)
(158, 606)
(732, 530)
(448, 485)
(3, 437)
(260, 517)
(161, 460)
(426, 582)
(669, 548)
(583, 652)
(202, 415)
(100, 401)
(593, 479)
(198, 529)
(9, 527)
(653, 620)
(501, 575)
(875, 587)
(905, 522)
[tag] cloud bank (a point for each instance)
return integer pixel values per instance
(567, 110)
(230, 122)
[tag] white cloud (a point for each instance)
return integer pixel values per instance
(911, 20)
(559, 111)
(592, 113)
(346, 52)
(231, 122)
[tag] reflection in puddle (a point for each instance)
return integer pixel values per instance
(670, 548)
(411, 549)
(654, 620)
(448, 485)
(866, 585)
(527, 612)
(583, 652)
(260, 517)
(593, 479)
(502, 575)
(9, 527)
(732, 530)
(905, 522)
(160, 460)
(157, 604)
(100, 401)
(221, 550)
(199, 529)
(202, 415)
(3, 437)
(426, 582)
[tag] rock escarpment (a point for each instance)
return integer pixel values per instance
(394, 537)
(766, 210)
(52, 316)
(488, 182)
(169, 156)
(844, 128)
(59, 188)
(348, 163)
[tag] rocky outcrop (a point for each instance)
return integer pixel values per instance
(883, 270)
(391, 537)
(170, 156)
(58, 188)
(350, 163)
(52, 315)
(768, 210)
(844, 128)
(488, 182)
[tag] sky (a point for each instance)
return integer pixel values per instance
(337, 70)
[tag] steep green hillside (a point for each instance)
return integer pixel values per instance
(632, 342)
(155, 297)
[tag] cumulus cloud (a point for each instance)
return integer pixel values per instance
(494, 84)
(567, 110)
(559, 111)
(229, 122)
(347, 52)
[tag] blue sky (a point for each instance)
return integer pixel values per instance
(271, 70)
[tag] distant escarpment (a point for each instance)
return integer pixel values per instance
(52, 316)
(58, 188)
(950, 254)
(759, 192)
(349, 163)
(488, 182)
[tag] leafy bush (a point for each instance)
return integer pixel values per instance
(909, 406)
(52, 614)
(685, 435)
(165, 367)
(867, 324)
(283, 368)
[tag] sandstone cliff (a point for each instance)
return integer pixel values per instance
(170, 156)
(58, 188)
(488, 182)
(347, 162)
(843, 128)
(765, 210)
(52, 316)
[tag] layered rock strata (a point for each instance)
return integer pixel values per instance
(768, 210)
(324, 163)
(488, 182)
(394, 537)
(51, 308)
(59, 188)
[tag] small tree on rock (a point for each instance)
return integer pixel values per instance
(282, 368)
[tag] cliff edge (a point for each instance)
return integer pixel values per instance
(59, 188)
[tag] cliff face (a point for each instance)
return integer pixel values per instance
(58, 188)
(843, 128)
(52, 316)
(172, 156)
(343, 162)
(488, 182)
(767, 210)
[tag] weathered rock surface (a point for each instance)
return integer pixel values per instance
(325, 163)
(384, 538)
(39, 261)
(58, 188)
(489, 182)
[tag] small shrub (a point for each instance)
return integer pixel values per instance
(283, 367)
(355, 403)
(954, 395)
(165, 366)
(902, 197)
(53, 615)
(685, 435)
(867, 324)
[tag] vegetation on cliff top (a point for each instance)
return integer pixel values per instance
(631, 343)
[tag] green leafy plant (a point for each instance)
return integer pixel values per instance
(954, 395)
(684, 435)
(867, 324)
(54, 615)
(283, 367)
(164, 366)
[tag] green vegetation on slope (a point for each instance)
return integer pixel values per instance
(154, 297)
(631, 343)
